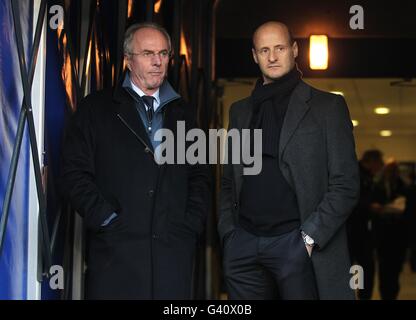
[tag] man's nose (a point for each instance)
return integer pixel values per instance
(157, 61)
(272, 56)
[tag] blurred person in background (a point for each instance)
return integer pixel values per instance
(360, 223)
(389, 205)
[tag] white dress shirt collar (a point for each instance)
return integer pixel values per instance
(141, 93)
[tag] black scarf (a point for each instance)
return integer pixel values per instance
(269, 105)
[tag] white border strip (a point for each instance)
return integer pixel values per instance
(38, 104)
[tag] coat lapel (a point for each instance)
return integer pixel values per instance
(173, 114)
(243, 122)
(296, 110)
(128, 114)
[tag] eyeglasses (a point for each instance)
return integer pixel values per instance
(147, 54)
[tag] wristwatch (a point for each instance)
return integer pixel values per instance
(307, 239)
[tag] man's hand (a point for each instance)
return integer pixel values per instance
(309, 248)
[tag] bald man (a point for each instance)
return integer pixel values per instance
(283, 230)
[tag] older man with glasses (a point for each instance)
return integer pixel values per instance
(143, 219)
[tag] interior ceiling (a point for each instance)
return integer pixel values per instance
(393, 19)
(363, 95)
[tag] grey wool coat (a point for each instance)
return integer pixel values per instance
(317, 158)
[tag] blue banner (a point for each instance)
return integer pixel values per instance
(13, 258)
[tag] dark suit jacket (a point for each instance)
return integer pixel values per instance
(317, 158)
(108, 166)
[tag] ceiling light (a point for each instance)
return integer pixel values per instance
(355, 123)
(318, 52)
(385, 133)
(382, 110)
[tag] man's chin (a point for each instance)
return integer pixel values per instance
(274, 77)
(154, 85)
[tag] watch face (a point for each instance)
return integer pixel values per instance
(309, 240)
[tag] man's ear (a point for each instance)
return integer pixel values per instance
(127, 60)
(253, 51)
(295, 49)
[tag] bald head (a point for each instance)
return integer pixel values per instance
(274, 50)
(272, 27)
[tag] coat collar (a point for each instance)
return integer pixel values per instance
(297, 108)
(166, 92)
(126, 110)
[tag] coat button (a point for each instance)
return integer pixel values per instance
(235, 205)
(155, 236)
(151, 192)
